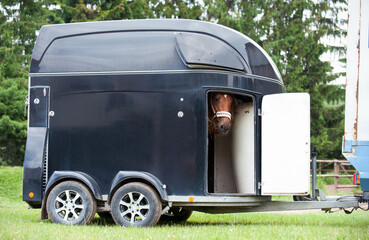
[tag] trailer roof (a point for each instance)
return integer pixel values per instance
(236, 40)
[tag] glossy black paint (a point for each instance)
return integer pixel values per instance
(33, 166)
(59, 176)
(33, 174)
(72, 54)
(124, 177)
(103, 124)
(39, 106)
(117, 110)
(140, 44)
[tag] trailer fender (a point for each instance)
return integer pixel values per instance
(33, 164)
(124, 177)
(59, 176)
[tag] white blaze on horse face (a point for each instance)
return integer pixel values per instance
(221, 107)
(221, 102)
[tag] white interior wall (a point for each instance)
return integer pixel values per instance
(243, 148)
(234, 170)
(223, 169)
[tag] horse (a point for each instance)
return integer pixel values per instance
(220, 114)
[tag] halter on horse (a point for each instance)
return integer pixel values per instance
(220, 117)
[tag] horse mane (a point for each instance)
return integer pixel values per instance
(212, 124)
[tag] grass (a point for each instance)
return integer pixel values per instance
(19, 222)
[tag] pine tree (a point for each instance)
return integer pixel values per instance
(189, 9)
(19, 22)
(92, 10)
(293, 33)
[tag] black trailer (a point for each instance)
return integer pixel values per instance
(118, 124)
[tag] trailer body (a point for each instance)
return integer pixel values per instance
(119, 110)
(356, 138)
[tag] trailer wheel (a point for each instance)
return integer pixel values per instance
(176, 214)
(71, 203)
(136, 204)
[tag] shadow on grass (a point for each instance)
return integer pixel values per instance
(103, 221)
(298, 222)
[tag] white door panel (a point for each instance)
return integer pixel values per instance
(285, 161)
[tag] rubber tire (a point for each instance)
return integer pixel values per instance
(88, 201)
(176, 214)
(153, 200)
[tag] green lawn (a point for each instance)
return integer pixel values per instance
(19, 222)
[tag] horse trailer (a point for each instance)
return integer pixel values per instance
(118, 116)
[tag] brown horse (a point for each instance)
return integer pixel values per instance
(220, 115)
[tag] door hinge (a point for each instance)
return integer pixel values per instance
(259, 112)
(260, 185)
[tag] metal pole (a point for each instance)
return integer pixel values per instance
(314, 155)
(336, 174)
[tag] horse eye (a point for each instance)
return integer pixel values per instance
(217, 99)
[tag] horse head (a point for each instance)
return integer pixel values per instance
(221, 105)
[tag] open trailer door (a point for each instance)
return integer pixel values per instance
(285, 159)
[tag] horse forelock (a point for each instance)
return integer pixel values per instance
(221, 103)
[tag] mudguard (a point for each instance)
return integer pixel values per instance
(59, 176)
(132, 176)
(33, 165)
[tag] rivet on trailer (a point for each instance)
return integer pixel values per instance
(118, 124)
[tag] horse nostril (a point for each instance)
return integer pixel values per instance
(224, 128)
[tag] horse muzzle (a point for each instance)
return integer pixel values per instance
(224, 127)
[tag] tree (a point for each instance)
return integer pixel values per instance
(13, 89)
(93, 10)
(189, 9)
(117, 10)
(292, 32)
(19, 22)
